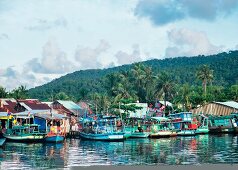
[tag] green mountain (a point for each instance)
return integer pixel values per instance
(183, 70)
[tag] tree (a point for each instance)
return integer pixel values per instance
(62, 96)
(19, 93)
(185, 96)
(164, 86)
(234, 92)
(83, 92)
(205, 74)
(3, 93)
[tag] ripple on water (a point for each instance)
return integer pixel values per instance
(169, 151)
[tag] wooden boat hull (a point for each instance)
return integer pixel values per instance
(24, 138)
(2, 141)
(164, 133)
(103, 137)
(221, 129)
(54, 138)
(186, 133)
(140, 134)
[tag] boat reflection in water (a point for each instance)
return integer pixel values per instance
(22, 155)
(201, 149)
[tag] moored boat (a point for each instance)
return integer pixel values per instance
(54, 138)
(221, 124)
(183, 123)
(161, 127)
(24, 133)
(136, 127)
(103, 128)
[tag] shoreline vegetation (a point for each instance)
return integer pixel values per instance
(185, 82)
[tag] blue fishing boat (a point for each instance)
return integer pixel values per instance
(161, 127)
(56, 128)
(183, 123)
(103, 128)
(221, 124)
(54, 138)
(2, 141)
(24, 133)
(136, 127)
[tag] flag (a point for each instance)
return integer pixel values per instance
(162, 108)
(8, 113)
(29, 113)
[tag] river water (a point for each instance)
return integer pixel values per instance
(197, 150)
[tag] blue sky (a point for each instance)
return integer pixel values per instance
(42, 40)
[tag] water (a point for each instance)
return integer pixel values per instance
(203, 149)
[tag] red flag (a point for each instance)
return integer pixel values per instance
(29, 113)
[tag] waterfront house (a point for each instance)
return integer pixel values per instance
(217, 108)
(69, 109)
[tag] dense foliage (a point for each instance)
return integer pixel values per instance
(185, 81)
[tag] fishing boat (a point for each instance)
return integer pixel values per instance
(26, 133)
(183, 123)
(161, 127)
(136, 127)
(55, 127)
(202, 125)
(221, 124)
(2, 141)
(103, 128)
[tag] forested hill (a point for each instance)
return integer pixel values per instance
(224, 66)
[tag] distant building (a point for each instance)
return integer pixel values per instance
(15, 106)
(66, 107)
(217, 108)
(140, 113)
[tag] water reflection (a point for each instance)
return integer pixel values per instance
(168, 151)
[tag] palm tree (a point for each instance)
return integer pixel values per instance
(19, 93)
(3, 92)
(138, 77)
(164, 86)
(149, 83)
(184, 95)
(205, 74)
(234, 92)
(62, 96)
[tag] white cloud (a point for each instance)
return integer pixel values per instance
(11, 78)
(90, 57)
(185, 42)
(53, 61)
(125, 58)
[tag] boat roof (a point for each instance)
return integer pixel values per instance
(173, 114)
(160, 118)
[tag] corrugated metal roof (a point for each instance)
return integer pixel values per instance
(232, 104)
(69, 105)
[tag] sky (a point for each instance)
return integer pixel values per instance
(43, 40)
